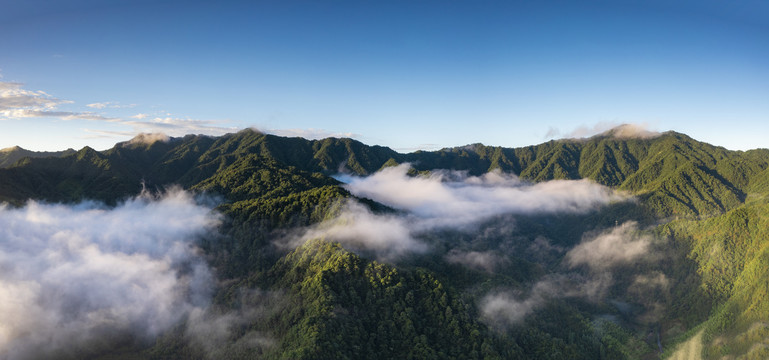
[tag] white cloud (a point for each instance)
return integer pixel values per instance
(18, 103)
(615, 129)
(356, 227)
(425, 147)
(98, 105)
(313, 134)
(109, 104)
(80, 277)
(454, 199)
(620, 245)
(145, 138)
(13, 97)
(487, 261)
(502, 309)
(445, 200)
(171, 126)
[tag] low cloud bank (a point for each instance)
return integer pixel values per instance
(356, 227)
(446, 200)
(81, 278)
(454, 199)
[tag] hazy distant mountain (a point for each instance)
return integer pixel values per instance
(672, 249)
(11, 155)
(676, 175)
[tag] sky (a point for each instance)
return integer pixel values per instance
(418, 74)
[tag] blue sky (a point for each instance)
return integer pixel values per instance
(405, 74)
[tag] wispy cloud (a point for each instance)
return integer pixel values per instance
(619, 245)
(16, 100)
(601, 253)
(110, 104)
(78, 278)
(426, 147)
(446, 200)
(487, 261)
(19, 103)
(221, 333)
(170, 126)
(455, 199)
(505, 308)
(310, 133)
(356, 227)
(615, 129)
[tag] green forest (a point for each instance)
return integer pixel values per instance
(694, 216)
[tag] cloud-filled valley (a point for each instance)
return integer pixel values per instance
(452, 198)
(446, 200)
(79, 277)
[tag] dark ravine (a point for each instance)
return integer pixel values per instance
(692, 198)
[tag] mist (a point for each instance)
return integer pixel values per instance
(444, 200)
(620, 245)
(600, 252)
(389, 236)
(81, 278)
(454, 199)
(503, 308)
(487, 261)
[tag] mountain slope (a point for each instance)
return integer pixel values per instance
(712, 269)
(732, 256)
(10, 156)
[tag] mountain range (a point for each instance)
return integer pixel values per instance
(688, 221)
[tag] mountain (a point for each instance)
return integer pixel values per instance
(674, 174)
(11, 155)
(696, 232)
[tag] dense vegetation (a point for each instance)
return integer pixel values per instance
(706, 205)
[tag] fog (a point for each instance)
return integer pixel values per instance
(446, 200)
(454, 199)
(619, 245)
(601, 253)
(80, 277)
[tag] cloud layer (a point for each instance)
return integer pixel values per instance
(446, 200)
(614, 129)
(454, 199)
(75, 278)
(389, 236)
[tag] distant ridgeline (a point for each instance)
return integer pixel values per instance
(672, 173)
(11, 155)
(709, 205)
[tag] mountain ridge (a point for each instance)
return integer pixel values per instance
(679, 175)
(698, 200)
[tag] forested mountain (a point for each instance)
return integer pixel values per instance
(11, 155)
(689, 221)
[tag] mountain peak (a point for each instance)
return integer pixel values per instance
(149, 138)
(629, 131)
(12, 149)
